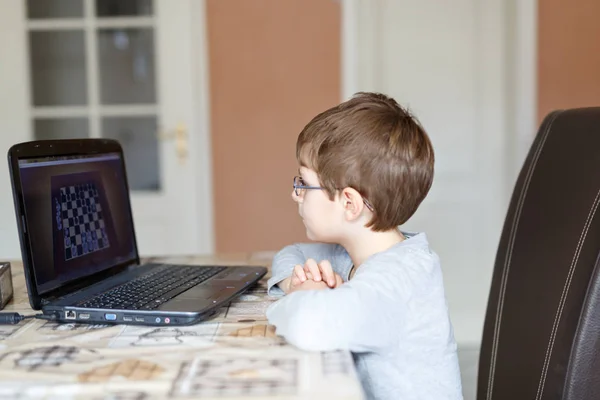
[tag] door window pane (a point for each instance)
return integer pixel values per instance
(60, 128)
(137, 136)
(57, 65)
(117, 8)
(126, 66)
(42, 9)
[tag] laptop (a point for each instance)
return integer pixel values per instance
(79, 249)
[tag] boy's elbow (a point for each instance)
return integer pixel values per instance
(308, 334)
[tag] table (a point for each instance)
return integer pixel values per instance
(234, 355)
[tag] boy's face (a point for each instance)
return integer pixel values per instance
(321, 217)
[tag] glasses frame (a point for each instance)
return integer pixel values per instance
(299, 188)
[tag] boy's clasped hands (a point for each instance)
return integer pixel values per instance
(314, 276)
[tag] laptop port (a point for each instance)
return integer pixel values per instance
(110, 317)
(70, 314)
(139, 319)
(84, 316)
(127, 319)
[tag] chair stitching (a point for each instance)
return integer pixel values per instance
(563, 297)
(506, 267)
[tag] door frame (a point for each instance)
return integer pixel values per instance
(524, 99)
(202, 141)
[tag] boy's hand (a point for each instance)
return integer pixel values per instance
(309, 285)
(311, 271)
(322, 271)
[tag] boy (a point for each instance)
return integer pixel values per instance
(367, 287)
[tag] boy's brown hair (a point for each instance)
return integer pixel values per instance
(373, 145)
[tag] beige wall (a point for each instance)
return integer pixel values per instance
(568, 54)
(273, 65)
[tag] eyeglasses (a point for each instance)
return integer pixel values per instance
(300, 187)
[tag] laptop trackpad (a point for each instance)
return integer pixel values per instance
(197, 293)
(182, 304)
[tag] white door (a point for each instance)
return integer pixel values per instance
(446, 60)
(127, 70)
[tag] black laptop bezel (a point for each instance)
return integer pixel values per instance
(59, 148)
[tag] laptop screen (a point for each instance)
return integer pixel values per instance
(78, 216)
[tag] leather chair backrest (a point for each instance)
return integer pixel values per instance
(541, 337)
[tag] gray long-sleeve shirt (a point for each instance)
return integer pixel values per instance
(392, 316)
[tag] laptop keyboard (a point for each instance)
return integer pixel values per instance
(151, 290)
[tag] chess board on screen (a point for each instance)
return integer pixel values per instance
(79, 216)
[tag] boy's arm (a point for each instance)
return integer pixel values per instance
(356, 317)
(285, 260)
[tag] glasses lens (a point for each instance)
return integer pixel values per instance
(296, 184)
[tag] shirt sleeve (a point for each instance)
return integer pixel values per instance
(285, 260)
(353, 317)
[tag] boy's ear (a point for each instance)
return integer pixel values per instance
(352, 203)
